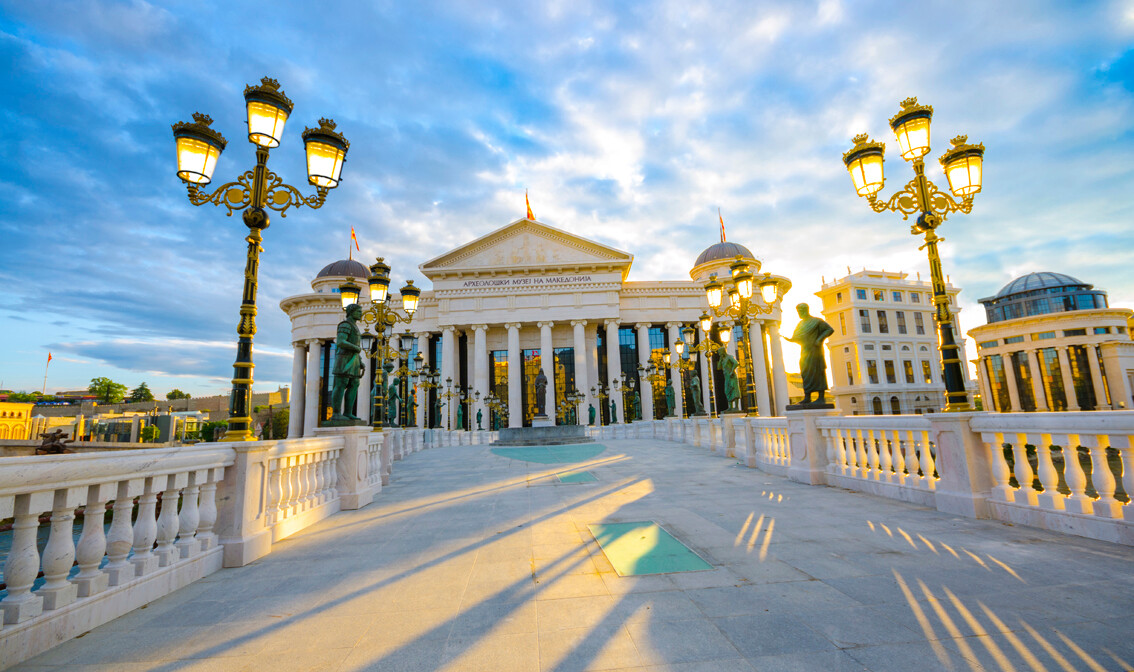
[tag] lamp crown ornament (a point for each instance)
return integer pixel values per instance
(862, 142)
(326, 129)
(269, 88)
(200, 126)
(909, 108)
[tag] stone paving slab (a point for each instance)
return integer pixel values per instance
(470, 560)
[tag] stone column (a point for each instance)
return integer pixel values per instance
(515, 371)
(135, 429)
(706, 388)
(1068, 380)
(582, 379)
(423, 407)
(1120, 393)
(644, 360)
(1010, 375)
(363, 406)
(480, 370)
(311, 390)
(449, 370)
(547, 363)
(674, 331)
(1037, 382)
(730, 347)
(964, 464)
(613, 366)
(982, 380)
(295, 414)
(1096, 378)
(779, 377)
(760, 365)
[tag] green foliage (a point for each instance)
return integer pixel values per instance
(205, 433)
(149, 433)
(107, 391)
(279, 424)
(141, 393)
(177, 394)
(34, 397)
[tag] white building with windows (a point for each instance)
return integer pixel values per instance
(883, 355)
(529, 296)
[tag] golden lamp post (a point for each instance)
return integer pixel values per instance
(743, 304)
(198, 149)
(962, 164)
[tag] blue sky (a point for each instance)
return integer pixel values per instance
(629, 123)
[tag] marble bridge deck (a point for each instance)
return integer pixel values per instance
(475, 560)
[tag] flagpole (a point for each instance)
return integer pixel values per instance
(45, 367)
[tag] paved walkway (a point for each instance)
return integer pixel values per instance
(473, 561)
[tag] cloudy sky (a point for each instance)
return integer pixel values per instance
(629, 123)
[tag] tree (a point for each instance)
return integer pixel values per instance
(279, 424)
(141, 393)
(107, 391)
(149, 432)
(176, 394)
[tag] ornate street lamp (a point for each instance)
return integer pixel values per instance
(198, 149)
(963, 165)
(744, 303)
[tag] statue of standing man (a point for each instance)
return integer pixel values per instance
(348, 366)
(809, 336)
(540, 392)
(727, 365)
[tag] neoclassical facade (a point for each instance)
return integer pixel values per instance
(1052, 343)
(527, 297)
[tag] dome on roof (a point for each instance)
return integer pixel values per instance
(347, 267)
(1041, 280)
(719, 251)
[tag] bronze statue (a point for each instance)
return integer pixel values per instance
(637, 405)
(670, 400)
(53, 443)
(393, 396)
(591, 413)
(727, 365)
(479, 417)
(348, 366)
(695, 393)
(613, 411)
(540, 392)
(809, 336)
(460, 416)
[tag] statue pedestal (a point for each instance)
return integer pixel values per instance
(543, 421)
(343, 421)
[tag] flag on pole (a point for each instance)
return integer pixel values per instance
(722, 224)
(355, 239)
(49, 358)
(529, 204)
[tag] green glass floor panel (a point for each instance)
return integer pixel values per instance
(645, 548)
(576, 477)
(565, 454)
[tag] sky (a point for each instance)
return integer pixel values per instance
(629, 123)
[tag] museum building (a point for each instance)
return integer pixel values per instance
(527, 297)
(1053, 343)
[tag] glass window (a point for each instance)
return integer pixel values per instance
(1084, 301)
(864, 321)
(1043, 336)
(838, 297)
(887, 347)
(891, 376)
(843, 323)
(895, 406)
(901, 315)
(1102, 330)
(1074, 332)
(850, 374)
(868, 346)
(1023, 374)
(1013, 339)
(998, 381)
(915, 297)
(919, 323)
(907, 366)
(1052, 374)
(923, 349)
(988, 344)
(1081, 377)
(897, 296)
(877, 406)
(879, 295)
(927, 373)
(883, 326)
(860, 293)
(872, 371)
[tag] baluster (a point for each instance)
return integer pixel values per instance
(1078, 501)
(167, 522)
(287, 488)
(1025, 494)
(911, 457)
(23, 562)
(275, 492)
(309, 500)
(92, 543)
(1002, 491)
(927, 461)
(121, 537)
(872, 449)
(293, 492)
(899, 460)
(839, 459)
(145, 531)
(317, 478)
(59, 554)
(829, 439)
(205, 533)
(187, 545)
(1102, 478)
(1127, 459)
(1050, 498)
(333, 471)
(885, 461)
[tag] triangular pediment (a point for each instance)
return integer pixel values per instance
(525, 245)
